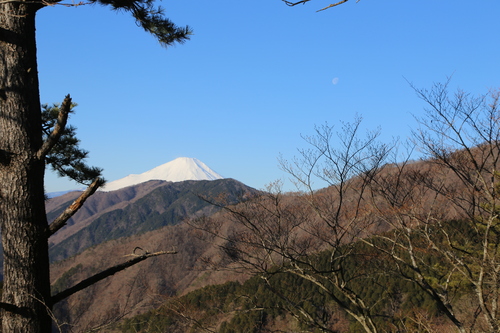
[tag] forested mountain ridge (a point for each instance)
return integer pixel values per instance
(410, 246)
(160, 280)
(137, 209)
(126, 223)
(391, 244)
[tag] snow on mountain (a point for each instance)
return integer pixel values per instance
(180, 169)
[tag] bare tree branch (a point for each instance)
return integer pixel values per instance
(332, 5)
(104, 274)
(12, 308)
(58, 128)
(302, 2)
(307, 236)
(61, 220)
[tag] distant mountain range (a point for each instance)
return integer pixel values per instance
(143, 211)
(137, 209)
(180, 169)
(135, 204)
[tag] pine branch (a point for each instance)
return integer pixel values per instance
(58, 130)
(65, 156)
(151, 19)
(61, 220)
(104, 274)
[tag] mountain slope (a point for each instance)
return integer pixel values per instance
(165, 204)
(98, 204)
(138, 288)
(180, 169)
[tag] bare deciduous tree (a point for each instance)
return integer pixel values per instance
(310, 235)
(447, 208)
(437, 219)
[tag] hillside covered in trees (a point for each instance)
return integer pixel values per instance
(392, 244)
(285, 303)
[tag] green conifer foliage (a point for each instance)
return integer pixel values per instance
(66, 157)
(151, 19)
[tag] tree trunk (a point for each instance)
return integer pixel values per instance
(22, 212)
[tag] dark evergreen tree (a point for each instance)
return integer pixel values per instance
(25, 150)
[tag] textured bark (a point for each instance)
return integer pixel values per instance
(22, 212)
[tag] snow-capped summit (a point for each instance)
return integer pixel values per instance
(180, 169)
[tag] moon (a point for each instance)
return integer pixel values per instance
(335, 80)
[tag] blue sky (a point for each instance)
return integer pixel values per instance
(255, 76)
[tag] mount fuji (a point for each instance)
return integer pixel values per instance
(180, 169)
